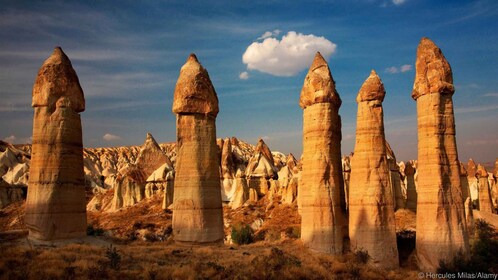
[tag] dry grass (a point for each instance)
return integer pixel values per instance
(140, 260)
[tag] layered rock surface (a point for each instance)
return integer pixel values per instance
(56, 205)
(371, 205)
(441, 226)
(197, 208)
(322, 205)
(485, 202)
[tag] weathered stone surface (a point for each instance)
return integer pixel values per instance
(495, 171)
(151, 157)
(469, 215)
(194, 92)
(472, 180)
(55, 205)
(395, 174)
(346, 174)
(241, 193)
(485, 202)
(441, 225)
(464, 182)
(371, 205)
(411, 188)
(130, 186)
(322, 204)
(197, 209)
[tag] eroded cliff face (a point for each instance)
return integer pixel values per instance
(441, 226)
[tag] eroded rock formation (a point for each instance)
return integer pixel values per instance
(322, 204)
(441, 226)
(197, 209)
(371, 205)
(56, 205)
(485, 203)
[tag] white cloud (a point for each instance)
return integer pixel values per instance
(398, 2)
(491, 94)
(10, 139)
(244, 75)
(405, 68)
(392, 70)
(288, 56)
(111, 137)
(269, 34)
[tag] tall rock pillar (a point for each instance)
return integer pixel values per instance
(441, 226)
(56, 204)
(485, 201)
(371, 205)
(197, 209)
(323, 208)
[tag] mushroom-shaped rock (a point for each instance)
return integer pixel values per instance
(371, 204)
(197, 209)
(441, 225)
(194, 92)
(321, 198)
(55, 203)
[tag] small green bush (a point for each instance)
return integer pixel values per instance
(113, 257)
(361, 256)
(93, 231)
(482, 257)
(242, 235)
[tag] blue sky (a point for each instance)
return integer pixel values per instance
(128, 54)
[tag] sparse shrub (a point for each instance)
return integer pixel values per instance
(242, 235)
(361, 256)
(150, 237)
(482, 258)
(272, 235)
(293, 232)
(97, 272)
(113, 257)
(354, 270)
(93, 231)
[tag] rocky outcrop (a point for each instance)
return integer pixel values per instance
(56, 205)
(261, 170)
(485, 202)
(197, 209)
(472, 180)
(441, 226)
(322, 206)
(130, 184)
(371, 205)
(346, 173)
(464, 182)
(411, 188)
(241, 190)
(395, 177)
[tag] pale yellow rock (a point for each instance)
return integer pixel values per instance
(441, 226)
(346, 173)
(241, 192)
(464, 182)
(371, 205)
(411, 189)
(151, 157)
(55, 204)
(395, 177)
(485, 202)
(322, 205)
(197, 208)
(472, 180)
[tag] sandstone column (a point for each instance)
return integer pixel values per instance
(56, 204)
(371, 205)
(322, 204)
(485, 203)
(441, 226)
(197, 210)
(411, 188)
